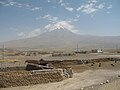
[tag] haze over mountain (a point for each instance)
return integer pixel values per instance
(63, 38)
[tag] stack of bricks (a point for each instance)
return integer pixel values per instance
(25, 78)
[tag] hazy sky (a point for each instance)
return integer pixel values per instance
(28, 18)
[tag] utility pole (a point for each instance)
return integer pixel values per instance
(77, 48)
(3, 52)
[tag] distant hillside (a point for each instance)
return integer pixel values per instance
(62, 38)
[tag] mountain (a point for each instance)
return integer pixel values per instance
(62, 38)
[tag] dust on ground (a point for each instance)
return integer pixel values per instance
(85, 75)
(84, 79)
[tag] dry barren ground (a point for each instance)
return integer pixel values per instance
(84, 76)
(115, 85)
(83, 79)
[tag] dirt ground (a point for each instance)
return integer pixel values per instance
(115, 85)
(84, 76)
(20, 60)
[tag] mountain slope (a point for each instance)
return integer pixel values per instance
(62, 38)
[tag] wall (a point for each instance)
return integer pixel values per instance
(24, 78)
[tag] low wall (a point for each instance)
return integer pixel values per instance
(24, 78)
(7, 69)
(76, 62)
